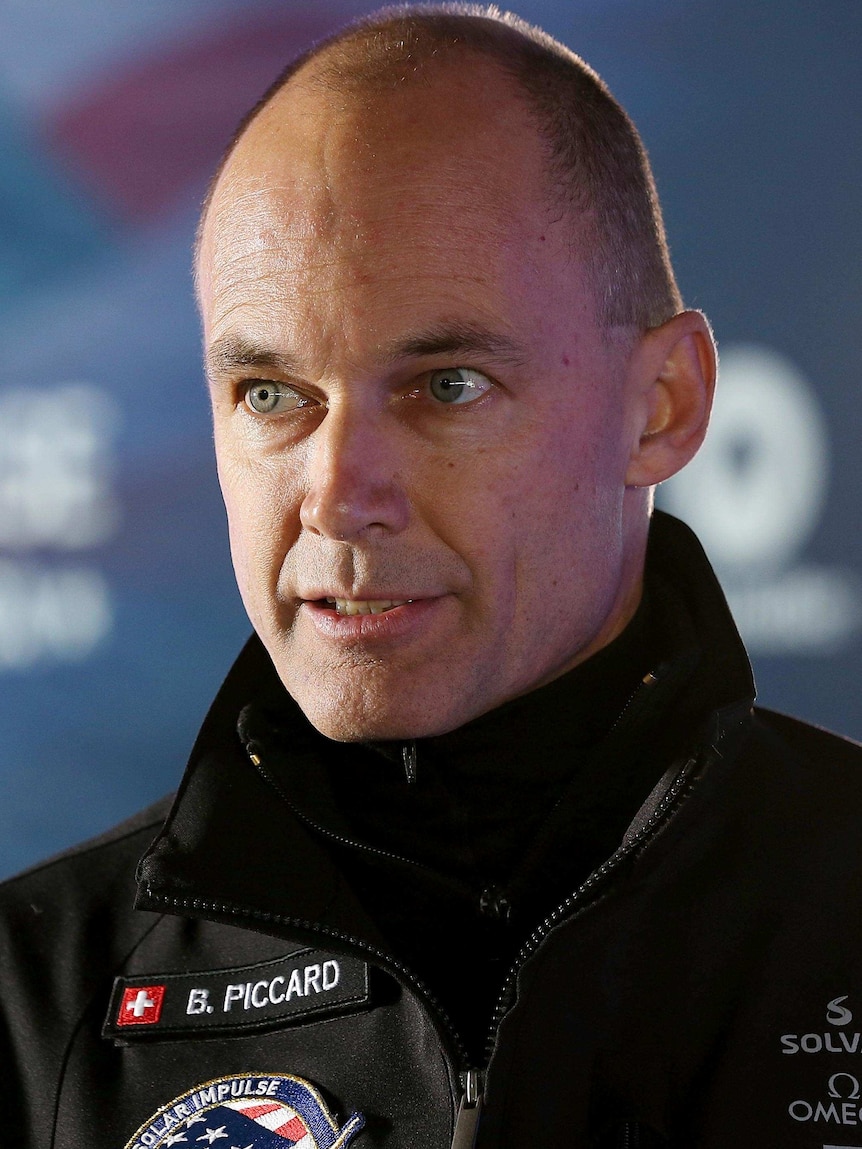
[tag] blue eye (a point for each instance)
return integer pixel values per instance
(458, 385)
(265, 397)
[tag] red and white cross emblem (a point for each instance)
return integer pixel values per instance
(141, 1005)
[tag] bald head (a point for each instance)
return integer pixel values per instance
(436, 420)
(340, 194)
(595, 168)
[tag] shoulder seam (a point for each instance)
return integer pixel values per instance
(82, 851)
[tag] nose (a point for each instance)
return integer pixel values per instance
(352, 487)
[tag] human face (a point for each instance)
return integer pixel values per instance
(415, 412)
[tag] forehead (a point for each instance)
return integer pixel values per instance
(441, 182)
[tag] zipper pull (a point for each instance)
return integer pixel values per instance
(467, 1121)
(409, 758)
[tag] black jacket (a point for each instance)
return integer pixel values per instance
(701, 988)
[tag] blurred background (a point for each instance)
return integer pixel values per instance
(118, 611)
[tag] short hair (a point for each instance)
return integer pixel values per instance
(598, 166)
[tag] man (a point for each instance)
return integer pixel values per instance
(481, 841)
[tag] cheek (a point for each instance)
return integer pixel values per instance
(471, 502)
(263, 520)
(568, 509)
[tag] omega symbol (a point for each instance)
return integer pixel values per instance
(850, 1091)
(836, 1013)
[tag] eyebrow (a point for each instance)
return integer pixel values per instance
(457, 338)
(232, 353)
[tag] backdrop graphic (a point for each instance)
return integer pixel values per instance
(118, 612)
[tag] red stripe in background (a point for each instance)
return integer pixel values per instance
(145, 135)
(294, 1130)
(254, 1111)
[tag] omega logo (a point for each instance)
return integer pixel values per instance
(852, 1087)
(844, 1088)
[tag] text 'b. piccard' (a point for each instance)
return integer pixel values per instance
(300, 986)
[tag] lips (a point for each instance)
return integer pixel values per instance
(349, 606)
(378, 621)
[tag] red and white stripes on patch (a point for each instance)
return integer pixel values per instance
(278, 1118)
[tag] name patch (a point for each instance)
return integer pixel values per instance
(304, 984)
(248, 1110)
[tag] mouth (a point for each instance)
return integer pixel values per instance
(349, 606)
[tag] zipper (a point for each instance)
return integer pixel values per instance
(490, 899)
(409, 760)
(408, 757)
(649, 680)
(470, 1110)
(567, 907)
(402, 972)
(472, 1078)
(387, 960)
(256, 760)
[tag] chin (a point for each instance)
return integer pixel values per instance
(343, 726)
(361, 717)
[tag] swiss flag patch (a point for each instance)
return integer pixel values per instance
(141, 1005)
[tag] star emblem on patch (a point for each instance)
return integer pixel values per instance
(248, 1111)
(212, 1135)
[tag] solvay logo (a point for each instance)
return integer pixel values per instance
(838, 1014)
(835, 1040)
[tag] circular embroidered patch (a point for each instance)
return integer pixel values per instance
(247, 1111)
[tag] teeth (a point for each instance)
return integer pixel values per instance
(366, 606)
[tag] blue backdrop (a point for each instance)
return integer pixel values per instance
(118, 612)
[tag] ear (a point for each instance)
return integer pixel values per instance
(671, 383)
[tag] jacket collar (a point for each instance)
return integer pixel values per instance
(230, 848)
(675, 556)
